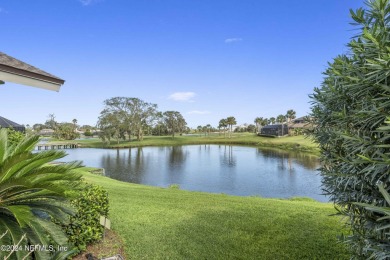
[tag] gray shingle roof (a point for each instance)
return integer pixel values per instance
(10, 64)
(4, 122)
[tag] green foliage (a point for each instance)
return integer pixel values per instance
(123, 116)
(14, 136)
(175, 122)
(84, 227)
(88, 133)
(350, 110)
(31, 192)
(66, 131)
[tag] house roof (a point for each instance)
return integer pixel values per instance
(274, 126)
(17, 71)
(4, 122)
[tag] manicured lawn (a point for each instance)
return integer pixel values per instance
(158, 223)
(291, 142)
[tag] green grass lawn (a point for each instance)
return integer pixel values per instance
(291, 142)
(158, 223)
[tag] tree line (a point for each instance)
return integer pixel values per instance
(125, 117)
(280, 119)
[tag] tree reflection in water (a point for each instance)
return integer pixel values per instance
(228, 158)
(306, 160)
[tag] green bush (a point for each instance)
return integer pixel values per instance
(84, 227)
(350, 111)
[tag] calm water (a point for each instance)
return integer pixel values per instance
(236, 170)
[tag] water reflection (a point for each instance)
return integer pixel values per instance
(227, 158)
(292, 157)
(235, 170)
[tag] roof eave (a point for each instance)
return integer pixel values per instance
(30, 79)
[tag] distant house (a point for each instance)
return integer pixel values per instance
(16, 71)
(46, 132)
(274, 130)
(301, 122)
(6, 123)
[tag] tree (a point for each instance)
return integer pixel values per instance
(129, 115)
(38, 127)
(223, 124)
(111, 126)
(259, 122)
(32, 192)
(281, 119)
(66, 131)
(74, 121)
(251, 128)
(230, 121)
(272, 120)
(51, 123)
(175, 122)
(291, 114)
(351, 114)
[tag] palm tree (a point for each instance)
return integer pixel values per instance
(208, 129)
(281, 119)
(223, 124)
(74, 121)
(291, 114)
(32, 192)
(231, 120)
(272, 120)
(259, 122)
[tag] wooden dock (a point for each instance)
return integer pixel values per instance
(56, 146)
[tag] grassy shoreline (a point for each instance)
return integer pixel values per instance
(164, 223)
(296, 143)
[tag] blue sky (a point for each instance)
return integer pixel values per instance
(208, 59)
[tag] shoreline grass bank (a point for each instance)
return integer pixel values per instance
(163, 223)
(296, 143)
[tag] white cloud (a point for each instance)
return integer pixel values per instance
(183, 96)
(197, 112)
(88, 2)
(231, 40)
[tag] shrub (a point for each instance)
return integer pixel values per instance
(84, 227)
(350, 111)
(88, 133)
(31, 192)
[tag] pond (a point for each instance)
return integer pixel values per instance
(235, 170)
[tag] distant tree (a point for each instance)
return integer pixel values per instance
(88, 132)
(111, 126)
(74, 121)
(291, 114)
(175, 122)
(131, 116)
(38, 127)
(208, 129)
(231, 120)
(272, 120)
(259, 122)
(51, 123)
(280, 119)
(223, 124)
(251, 128)
(66, 131)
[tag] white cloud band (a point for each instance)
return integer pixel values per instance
(182, 96)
